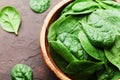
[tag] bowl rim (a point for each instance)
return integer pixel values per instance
(43, 49)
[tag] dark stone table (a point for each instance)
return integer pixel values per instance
(24, 48)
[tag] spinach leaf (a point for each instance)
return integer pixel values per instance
(84, 5)
(109, 4)
(84, 68)
(114, 4)
(73, 44)
(39, 6)
(105, 25)
(70, 25)
(106, 19)
(89, 48)
(100, 37)
(61, 63)
(110, 17)
(80, 7)
(52, 33)
(21, 72)
(62, 51)
(113, 54)
(10, 19)
(67, 8)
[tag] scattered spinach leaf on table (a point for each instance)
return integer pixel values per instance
(39, 6)
(10, 19)
(21, 72)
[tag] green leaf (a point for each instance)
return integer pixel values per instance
(70, 25)
(61, 63)
(39, 6)
(80, 7)
(89, 48)
(67, 8)
(101, 37)
(10, 19)
(113, 54)
(62, 51)
(21, 72)
(84, 67)
(109, 4)
(84, 5)
(105, 18)
(52, 33)
(73, 44)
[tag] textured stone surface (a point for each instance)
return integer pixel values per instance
(24, 48)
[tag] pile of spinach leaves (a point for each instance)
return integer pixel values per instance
(85, 40)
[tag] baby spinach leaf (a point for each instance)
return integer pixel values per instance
(61, 63)
(114, 4)
(52, 33)
(106, 19)
(73, 44)
(89, 48)
(113, 54)
(39, 6)
(80, 7)
(84, 5)
(100, 37)
(84, 67)
(69, 25)
(77, 13)
(62, 51)
(109, 4)
(21, 72)
(10, 19)
(67, 8)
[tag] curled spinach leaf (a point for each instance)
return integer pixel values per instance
(10, 19)
(80, 7)
(62, 64)
(73, 44)
(113, 54)
(84, 5)
(21, 72)
(89, 48)
(62, 51)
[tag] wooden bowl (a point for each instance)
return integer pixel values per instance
(52, 16)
